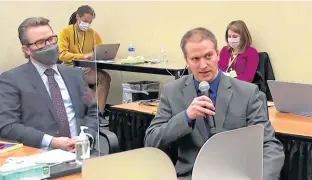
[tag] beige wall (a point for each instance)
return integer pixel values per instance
(283, 29)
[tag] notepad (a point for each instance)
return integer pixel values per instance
(7, 146)
(53, 157)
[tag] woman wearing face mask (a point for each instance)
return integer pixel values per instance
(238, 59)
(77, 41)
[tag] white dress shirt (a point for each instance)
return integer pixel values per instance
(66, 98)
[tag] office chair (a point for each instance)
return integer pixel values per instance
(264, 72)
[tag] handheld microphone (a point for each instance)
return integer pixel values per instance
(204, 89)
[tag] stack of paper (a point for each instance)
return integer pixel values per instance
(50, 157)
(35, 165)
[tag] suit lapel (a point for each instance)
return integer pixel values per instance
(189, 93)
(223, 99)
(36, 81)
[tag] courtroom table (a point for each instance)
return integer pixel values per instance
(129, 122)
(175, 69)
(26, 151)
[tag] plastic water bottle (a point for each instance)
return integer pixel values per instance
(163, 56)
(131, 49)
(82, 146)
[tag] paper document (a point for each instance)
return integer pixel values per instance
(270, 103)
(106, 61)
(50, 157)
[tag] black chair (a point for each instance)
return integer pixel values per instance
(264, 72)
(58, 62)
(263, 98)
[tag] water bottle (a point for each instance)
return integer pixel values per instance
(82, 146)
(131, 49)
(163, 56)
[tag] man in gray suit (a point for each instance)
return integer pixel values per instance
(231, 104)
(41, 103)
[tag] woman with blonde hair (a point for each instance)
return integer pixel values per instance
(238, 59)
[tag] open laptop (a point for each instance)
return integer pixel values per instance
(292, 97)
(105, 52)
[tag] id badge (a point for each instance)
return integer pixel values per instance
(227, 73)
(233, 74)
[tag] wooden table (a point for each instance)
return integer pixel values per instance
(26, 151)
(290, 124)
(71, 177)
(285, 123)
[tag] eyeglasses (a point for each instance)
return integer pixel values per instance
(41, 43)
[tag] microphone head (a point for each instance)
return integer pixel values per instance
(204, 86)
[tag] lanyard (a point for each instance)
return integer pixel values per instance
(83, 39)
(231, 61)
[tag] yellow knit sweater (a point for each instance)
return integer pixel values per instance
(74, 44)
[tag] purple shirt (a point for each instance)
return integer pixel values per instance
(245, 64)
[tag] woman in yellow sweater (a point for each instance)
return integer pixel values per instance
(77, 41)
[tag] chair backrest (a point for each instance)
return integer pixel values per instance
(264, 72)
(225, 156)
(260, 81)
(139, 164)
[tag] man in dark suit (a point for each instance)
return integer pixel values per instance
(41, 103)
(231, 104)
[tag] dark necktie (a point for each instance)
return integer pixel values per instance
(58, 104)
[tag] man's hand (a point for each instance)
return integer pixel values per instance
(200, 106)
(88, 55)
(75, 139)
(63, 143)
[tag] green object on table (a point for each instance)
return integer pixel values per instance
(132, 61)
(39, 171)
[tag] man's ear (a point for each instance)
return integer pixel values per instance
(218, 54)
(186, 62)
(26, 50)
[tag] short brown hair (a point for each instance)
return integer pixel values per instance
(198, 34)
(30, 22)
(239, 27)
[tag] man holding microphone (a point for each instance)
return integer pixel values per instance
(188, 119)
